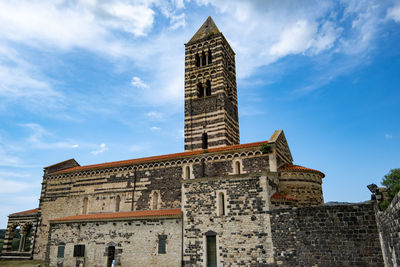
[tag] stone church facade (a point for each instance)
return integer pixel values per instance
(219, 203)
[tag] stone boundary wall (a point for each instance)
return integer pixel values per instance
(389, 231)
(343, 235)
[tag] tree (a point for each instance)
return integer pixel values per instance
(392, 181)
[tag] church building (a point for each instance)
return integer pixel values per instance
(218, 203)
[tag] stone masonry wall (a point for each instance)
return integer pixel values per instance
(389, 230)
(135, 241)
(63, 195)
(344, 235)
(243, 234)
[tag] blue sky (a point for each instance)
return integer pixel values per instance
(103, 81)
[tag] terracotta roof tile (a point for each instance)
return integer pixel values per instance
(277, 195)
(26, 212)
(291, 167)
(121, 215)
(158, 158)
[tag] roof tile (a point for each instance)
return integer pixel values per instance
(121, 215)
(161, 157)
(291, 167)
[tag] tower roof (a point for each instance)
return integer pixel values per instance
(208, 28)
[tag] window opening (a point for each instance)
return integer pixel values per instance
(237, 164)
(117, 203)
(79, 251)
(60, 251)
(203, 59)
(155, 201)
(187, 172)
(204, 139)
(110, 256)
(200, 90)
(197, 60)
(208, 88)
(211, 251)
(16, 239)
(162, 244)
(209, 57)
(26, 238)
(221, 204)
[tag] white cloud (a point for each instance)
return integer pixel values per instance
(155, 128)
(136, 19)
(388, 136)
(137, 82)
(154, 115)
(394, 13)
(102, 148)
(40, 137)
(294, 39)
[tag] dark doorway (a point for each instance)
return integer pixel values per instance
(211, 251)
(110, 255)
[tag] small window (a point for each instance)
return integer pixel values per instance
(204, 140)
(200, 90)
(117, 203)
(221, 204)
(187, 174)
(60, 251)
(208, 88)
(197, 60)
(162, 244)
(203, 59)
(209, 57)
(79, 251)
(237, 167)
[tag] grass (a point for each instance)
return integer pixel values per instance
(24, 263)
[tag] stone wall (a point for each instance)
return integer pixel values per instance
(243, 234)
(389, 230)
(64, 194)
(345, 235)
(135, 242)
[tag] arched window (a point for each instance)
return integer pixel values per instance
(203, 59)
(237, 167)
(155, 201)
(209, 57)
(204, 139)
(221, 204)
(16, 239)
(200, 90)
(85, 205)
(208, 88)
(187, 172)
(117, 203)
(197, 60)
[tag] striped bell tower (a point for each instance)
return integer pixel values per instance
(211, 109)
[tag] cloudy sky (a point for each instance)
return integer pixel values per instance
(102, 81)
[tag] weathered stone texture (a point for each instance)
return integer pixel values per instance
(305, 187)
(345, 235)
(243, 234)
(135, 241)
(389, 230)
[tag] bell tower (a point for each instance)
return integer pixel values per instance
(211, 109)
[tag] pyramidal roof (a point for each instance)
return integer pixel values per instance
(206, 29)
